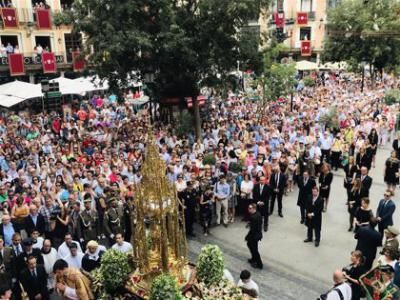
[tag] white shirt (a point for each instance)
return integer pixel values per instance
(63, 250)
(74, 261)
(39, 243)
(344, 288)
(125, 247)
(249, 285)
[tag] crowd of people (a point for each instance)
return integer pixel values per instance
(67, 180)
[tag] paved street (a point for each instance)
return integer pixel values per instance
(293, 269)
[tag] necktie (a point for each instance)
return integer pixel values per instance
(277, 180)
(17, 250)
(34, 274)
(261, 188)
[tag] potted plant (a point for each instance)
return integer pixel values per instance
(110, 278)
(210, 265)
(164, 287)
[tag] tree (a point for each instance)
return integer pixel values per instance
(364, 31)
(280, 81)
(183, 43)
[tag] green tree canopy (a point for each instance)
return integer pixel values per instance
(367, 31)
(182, 42)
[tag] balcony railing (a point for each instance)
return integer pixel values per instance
(31, 58)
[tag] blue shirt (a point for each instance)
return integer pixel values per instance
(8, 232)
(222, 190)
(34, 219)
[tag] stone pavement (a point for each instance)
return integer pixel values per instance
(293, 269)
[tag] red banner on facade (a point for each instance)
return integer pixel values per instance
(49, 62)
(78, 61)
(43, 19)
(279, 19)
(16, 64)
(200, 99)
(302, 18)
(9, 15)
(305, 48)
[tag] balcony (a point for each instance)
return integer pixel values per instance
(33, 62)
(27, 16)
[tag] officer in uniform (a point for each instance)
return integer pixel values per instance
(88, 225)
(391, 242)
(113, 220)
(189, 200)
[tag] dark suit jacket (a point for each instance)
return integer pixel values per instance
(305, 191)
(29, 226)
(255, 232)
(315, 208)
(385, 212)
(368, 240)
(263, 196)
(22, 258)
(365, 186)
(7, 271)
(34, 286)
(281, 182)
(396, 147)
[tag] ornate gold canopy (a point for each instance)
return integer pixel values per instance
(159, 237)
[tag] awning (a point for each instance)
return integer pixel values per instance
(305, 65)
(16, 92)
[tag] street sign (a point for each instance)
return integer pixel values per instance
(54, 95)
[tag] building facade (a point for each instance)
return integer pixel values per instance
(313, 30)
(29, 38)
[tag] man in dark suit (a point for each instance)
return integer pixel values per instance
(277, 183)
(384, 213)
(366, 182)
(34, 221)
(305, 183)
(261, 195)
(368, 240)
(6, 265)
(254, 236)
(314, 208)
(34, 280)
(28, 251)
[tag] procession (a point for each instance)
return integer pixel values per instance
(174, 150)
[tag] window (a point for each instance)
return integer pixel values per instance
(8, 40)
(66, 4)
(305, 33)
(306, 5)
(73, 42)
(44, 42)
(333, 3)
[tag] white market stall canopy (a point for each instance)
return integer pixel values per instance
(16, 92)
(334, 66)
(305, 65)
(92, 83)
(78, 86)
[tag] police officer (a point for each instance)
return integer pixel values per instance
(189, 200)
(113, 220)
(88, 225)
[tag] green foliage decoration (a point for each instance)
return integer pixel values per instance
(114, 271)
(164, 287)
(308, 81)
(210, 265)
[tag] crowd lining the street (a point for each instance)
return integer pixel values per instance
(66, 180)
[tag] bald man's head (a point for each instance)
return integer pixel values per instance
(338, 276)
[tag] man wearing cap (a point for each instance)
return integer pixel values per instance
(88, 225)
(391, 241)
(189, 199)
(113, 220)
(30, 251)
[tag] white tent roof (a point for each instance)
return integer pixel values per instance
(305, 65)
(92, 83)
(15, 92)
(334, 66)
